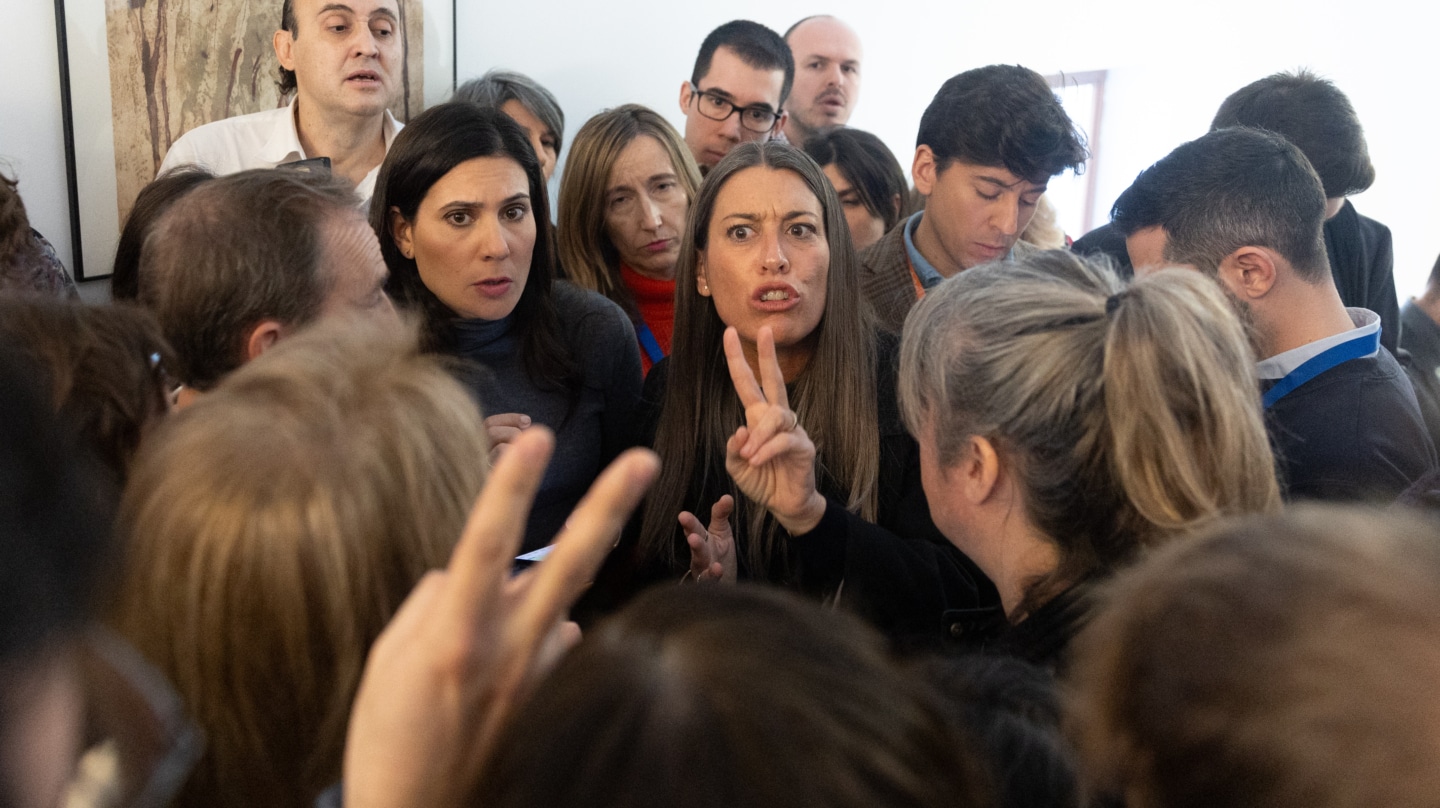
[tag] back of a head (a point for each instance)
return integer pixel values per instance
(1006, 116)
(54, 547)
(1288, 661)
(27, 264)
(757, 46)
(1231, 188)
(54, 532)
(718, 696)
(1126, 413)
(154, 199)
(274, 527)
(496, 87)
(104, 366)
(1312, 113)
(1011, 711)
(869, 165)
(243, 249)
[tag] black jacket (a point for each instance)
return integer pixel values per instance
(900, 572)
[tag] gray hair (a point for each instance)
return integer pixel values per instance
(498, 86)
(1125, 415)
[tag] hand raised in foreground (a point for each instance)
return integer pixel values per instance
(712, 549)
(771, 458)
(454, 662)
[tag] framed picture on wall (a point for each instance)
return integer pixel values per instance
(135, 75)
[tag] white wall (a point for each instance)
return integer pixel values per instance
(32, 147)
(1170, 68)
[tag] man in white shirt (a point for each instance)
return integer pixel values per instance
(340, 59)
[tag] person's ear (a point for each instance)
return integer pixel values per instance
(978, 470)
(898, 203)
(284, 42)
(924, 171)
(701, 284)
(401, 232)
(1249, 272)
(687, 93)
(780, 125)
(262, 338)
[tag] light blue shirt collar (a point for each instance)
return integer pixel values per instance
(928, 274)
(1280, 365)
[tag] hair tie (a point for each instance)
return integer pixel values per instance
(1113, 302)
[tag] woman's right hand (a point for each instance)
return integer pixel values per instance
(504, 428)
(712, 549)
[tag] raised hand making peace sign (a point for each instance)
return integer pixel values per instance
(771, 458)
(460, 652)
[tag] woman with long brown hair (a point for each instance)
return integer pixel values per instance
(766, 256)
(629, 181)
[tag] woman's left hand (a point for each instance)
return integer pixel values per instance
(771, 458)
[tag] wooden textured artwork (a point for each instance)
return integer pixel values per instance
(177, 64)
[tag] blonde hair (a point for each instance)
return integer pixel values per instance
(274, 527)
(1044, 230)
(587, 255)
(1129, 415)
(1283, 661)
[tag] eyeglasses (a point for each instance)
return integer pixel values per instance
(756, 118)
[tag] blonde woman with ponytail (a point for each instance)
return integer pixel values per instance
(1067, 423)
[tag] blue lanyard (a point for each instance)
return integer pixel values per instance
(1355, 348)
(649, 343)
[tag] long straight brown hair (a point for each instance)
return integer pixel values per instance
(834, 396)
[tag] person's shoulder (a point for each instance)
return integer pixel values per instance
(576, 302)
(220, 145)
(592, 320)
(887, 252)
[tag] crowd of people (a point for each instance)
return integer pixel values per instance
(759, 473)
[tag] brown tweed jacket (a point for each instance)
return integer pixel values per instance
(885, 277)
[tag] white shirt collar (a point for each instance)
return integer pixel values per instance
(283, 145)
(1280, 365)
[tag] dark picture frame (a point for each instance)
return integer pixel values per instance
(116, 128)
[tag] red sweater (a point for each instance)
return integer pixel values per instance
(656, 301)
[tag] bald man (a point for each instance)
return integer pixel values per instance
(827, 76)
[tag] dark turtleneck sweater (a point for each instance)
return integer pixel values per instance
(600, 424)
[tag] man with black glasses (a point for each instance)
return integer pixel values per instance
(741, 78)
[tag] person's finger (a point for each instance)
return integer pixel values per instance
(690, 523)
(501, 434)
(586, 538)
(720, 514)
(482, 558)
(564, 636)
(772, 379)
(781, 444)
(740, 374)
(514, 420)
(737, 441)
(774, 421)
